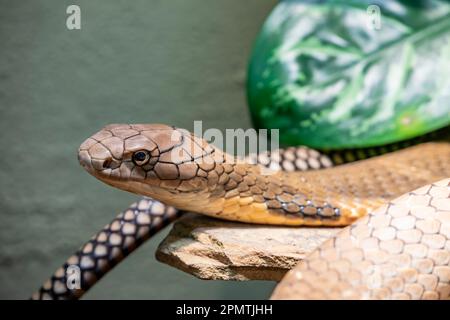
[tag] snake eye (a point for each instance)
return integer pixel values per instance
(141, 157)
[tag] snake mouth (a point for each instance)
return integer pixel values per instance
(143, 188)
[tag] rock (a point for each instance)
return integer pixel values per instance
(220, 250)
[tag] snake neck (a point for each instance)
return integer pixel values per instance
(333, 197)
(254, 194)
(251, 193)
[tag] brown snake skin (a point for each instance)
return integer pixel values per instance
(399, 251)
(144, 219)
(184, 171)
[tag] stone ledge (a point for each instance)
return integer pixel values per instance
(213, 249)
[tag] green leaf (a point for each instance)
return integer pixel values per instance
(321, 74)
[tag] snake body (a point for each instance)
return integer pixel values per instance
(183, 171)
(399, 251)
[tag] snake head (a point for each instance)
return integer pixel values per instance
(154, 160)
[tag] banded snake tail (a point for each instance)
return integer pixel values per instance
(183, 171)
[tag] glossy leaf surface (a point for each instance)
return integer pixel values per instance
(328, 76)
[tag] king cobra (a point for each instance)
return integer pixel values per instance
(176, 171)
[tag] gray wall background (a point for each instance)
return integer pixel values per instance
(169, 61)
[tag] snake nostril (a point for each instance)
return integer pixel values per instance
(107, 163)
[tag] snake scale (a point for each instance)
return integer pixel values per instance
(183, 171)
